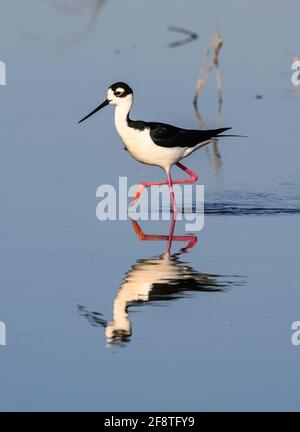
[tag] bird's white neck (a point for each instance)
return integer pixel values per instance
(121, 113)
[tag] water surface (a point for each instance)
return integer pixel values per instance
(97, 319)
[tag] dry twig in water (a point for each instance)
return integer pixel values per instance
(216, 159)
(208, 65)
(215, 45)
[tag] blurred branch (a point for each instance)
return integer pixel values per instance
(78, 7)
(209, 64)
(191, 36)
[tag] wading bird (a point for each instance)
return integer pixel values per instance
(153, 143)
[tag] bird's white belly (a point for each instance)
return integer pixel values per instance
(143, 149)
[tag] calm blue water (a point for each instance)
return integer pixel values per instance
(97, 319)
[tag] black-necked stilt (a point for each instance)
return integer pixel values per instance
(152, 143)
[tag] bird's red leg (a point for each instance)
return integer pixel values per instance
(172, 193)
(193, 178)
(142, 186)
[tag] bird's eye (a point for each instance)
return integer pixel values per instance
(118, 93)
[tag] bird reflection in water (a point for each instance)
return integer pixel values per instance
(162, 278)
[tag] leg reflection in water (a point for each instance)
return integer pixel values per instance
(191, 239)
(161, 278)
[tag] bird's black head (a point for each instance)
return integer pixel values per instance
(120, 89)
(118, 93)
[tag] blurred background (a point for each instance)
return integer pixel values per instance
(228, 349)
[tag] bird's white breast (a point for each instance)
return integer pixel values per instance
(143, 149)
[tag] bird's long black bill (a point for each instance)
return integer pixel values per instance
(106, 102)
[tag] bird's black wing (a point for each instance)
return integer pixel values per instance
(165, 135)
